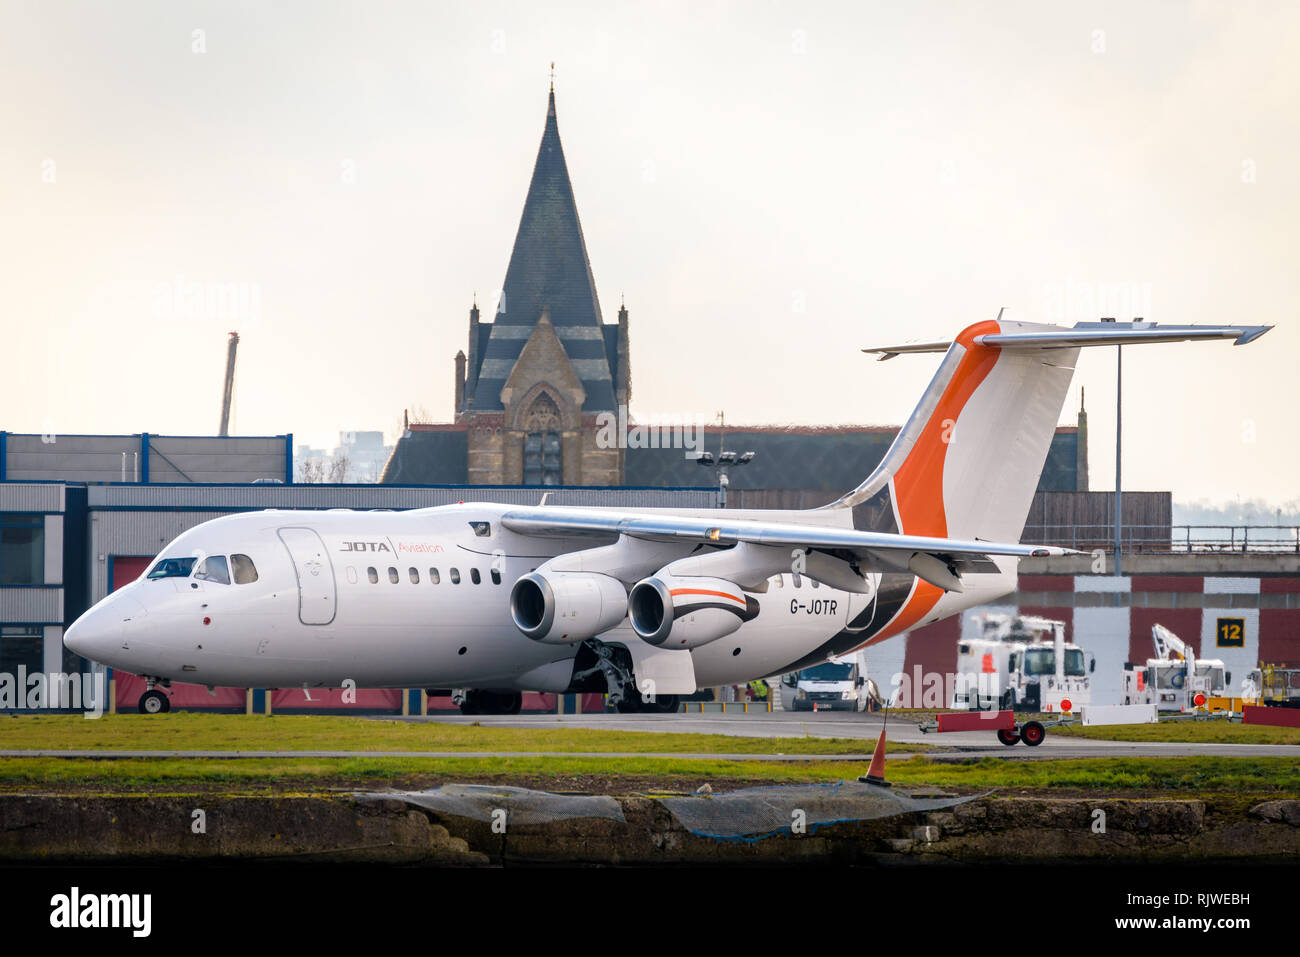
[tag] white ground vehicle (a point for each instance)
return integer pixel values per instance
(836, 685)
(1023, 663)
(1173, 683)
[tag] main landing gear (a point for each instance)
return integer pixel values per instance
(611, 665)
(633, 702)
(491, 702)
(154, 701)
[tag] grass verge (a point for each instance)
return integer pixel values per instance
(1194, 732)
(184, 731)
(1168, 776)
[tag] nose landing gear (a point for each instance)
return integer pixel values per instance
(154, 701)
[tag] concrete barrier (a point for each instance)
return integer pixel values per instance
(1120, 714)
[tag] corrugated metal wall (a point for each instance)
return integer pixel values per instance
(239, 497)
(18, 497)
(31, 605)
(100, 458)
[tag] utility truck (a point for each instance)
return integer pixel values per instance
(1022, 663)
(1175, 679)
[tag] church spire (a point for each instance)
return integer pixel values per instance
(549, 270)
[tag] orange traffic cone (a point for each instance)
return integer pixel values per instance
(876, 773)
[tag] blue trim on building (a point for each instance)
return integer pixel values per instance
(4, 453)
(288, 458)
(144, 456)
(76, 553)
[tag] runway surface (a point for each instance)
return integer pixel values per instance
(959, 746)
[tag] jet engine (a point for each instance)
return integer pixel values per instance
(685, 612)
(561, 608)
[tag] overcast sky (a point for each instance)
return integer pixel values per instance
(772, 186)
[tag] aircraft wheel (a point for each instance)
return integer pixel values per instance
(1033, 733)
(1008, 737)
(154, 702)
(666, 703)
(488, 702)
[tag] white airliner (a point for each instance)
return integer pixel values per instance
(644, 604)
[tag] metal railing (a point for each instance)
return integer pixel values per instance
(1139, 539)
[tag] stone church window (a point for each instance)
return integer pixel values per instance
(543, 458)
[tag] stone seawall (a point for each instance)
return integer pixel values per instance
(94, 829)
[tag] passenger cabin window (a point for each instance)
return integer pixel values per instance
(213, 569)
(415, 575)
(173, 568)
(352, 575)
(455, 576)
(373, 575)
(474, 576)
(392, 575)
(244, 569)
(433, 576)
(496, 577)
(797, 580)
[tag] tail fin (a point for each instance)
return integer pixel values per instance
(967, 462)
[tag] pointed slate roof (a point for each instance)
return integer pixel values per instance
(548, 268)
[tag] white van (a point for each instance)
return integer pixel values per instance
(837, 685)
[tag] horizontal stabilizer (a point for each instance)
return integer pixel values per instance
(1087, 334)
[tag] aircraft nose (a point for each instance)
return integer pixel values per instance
(101, 629)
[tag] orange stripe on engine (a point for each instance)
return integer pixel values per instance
(918, 483)
(704, 591)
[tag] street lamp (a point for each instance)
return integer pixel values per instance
(720, 464)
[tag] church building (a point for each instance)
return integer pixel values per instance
(535, 378)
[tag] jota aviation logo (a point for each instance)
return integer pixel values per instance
(365, 547)
(75, 909)
(403, 547)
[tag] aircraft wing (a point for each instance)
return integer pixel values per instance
(937, 560)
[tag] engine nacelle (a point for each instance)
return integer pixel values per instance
(676, 613)
(561, 608)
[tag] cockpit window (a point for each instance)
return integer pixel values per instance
(213, 569)
(173, 568)
(244, 569)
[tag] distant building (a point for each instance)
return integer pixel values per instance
(359, 457)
